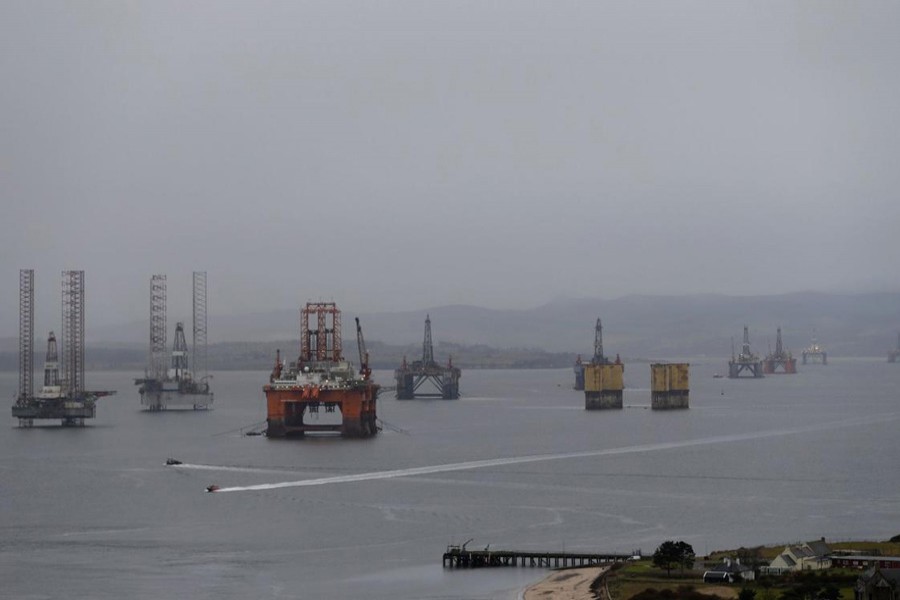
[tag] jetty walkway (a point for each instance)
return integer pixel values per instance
(460, 558)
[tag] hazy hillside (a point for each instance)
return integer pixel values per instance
(635, 326)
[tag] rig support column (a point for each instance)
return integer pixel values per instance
(603, 386)
(669, 385)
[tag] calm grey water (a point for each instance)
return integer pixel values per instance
(94, 513)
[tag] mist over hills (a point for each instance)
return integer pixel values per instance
(656, 327)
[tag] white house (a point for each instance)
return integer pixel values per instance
(811, 556)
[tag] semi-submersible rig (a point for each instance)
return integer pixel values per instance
(597, 359)
(746, 364)
(320, 380)
(63, 395)
(169, 381)
(781, 361)
(444, 381)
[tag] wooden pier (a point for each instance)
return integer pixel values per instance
(460, 558)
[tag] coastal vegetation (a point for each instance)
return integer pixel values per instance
(659, 577)
(674, 554)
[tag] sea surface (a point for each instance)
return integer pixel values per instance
(516, 463)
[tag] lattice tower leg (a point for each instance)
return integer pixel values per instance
(158, 326)
(26, 333)
(73, 331)
(199, 342)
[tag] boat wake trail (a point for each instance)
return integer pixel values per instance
(518, 460)
(222, 468)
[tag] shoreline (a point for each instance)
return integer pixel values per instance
(566, 584)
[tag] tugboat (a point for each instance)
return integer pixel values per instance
(172, 461)
(212, 488)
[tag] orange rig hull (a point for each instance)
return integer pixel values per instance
(288, 405)
(776, 366)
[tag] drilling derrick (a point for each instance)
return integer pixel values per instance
(322, 344)
(321, 381)
(443, 381)
(781, 361)
(62, 396)
(598, 359)
(746, 364)
(51, 363)
(815, 354)
(894, 355)
(179, 354)
(168, 381)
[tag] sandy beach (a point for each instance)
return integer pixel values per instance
(569, 584)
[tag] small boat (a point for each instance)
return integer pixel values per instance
(717, 376)
(172, 461)
(212, 488)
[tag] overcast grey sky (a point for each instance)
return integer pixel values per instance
(411, 154)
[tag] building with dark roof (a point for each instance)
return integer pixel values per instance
(878, 584)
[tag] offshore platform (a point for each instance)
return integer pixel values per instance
(410, 377)
(63, 395)
(894, 355)
(603, 381)
(597, 359)
(781, 361)
(669, 386)
(815, 354)
(321, 381)
(169, 381)
(746, 364)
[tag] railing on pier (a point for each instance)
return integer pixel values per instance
(460, 558)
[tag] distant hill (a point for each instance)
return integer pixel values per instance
(633, 326)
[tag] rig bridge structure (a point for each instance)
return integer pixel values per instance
(443, 381)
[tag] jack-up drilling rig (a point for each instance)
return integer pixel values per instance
(780, 361)
(169, 382)
(410, 377)
(64, 397)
